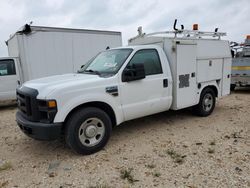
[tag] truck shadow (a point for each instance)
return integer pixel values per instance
(8, 107)
(51, 149)
(148, 122)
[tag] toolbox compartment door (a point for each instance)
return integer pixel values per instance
(226, 81)
(186, 86)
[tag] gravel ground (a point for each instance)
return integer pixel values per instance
(170, 149)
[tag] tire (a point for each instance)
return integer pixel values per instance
(88, 130)
(232, 87)
(206, 104)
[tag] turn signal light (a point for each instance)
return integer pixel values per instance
(51, 104)
(195, 27)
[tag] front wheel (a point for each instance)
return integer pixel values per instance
(206, 104)
(88, 130)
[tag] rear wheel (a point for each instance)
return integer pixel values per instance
(88, 130)
(206, 104)
(232, 87)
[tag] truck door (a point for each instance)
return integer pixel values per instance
(186, 86)
(149, 95)
(8, 79)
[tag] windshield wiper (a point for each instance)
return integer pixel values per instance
(92, 71)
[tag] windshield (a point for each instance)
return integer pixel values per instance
(107, 62)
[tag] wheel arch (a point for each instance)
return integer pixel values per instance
(199, 109)
(98, 104)
(213, 87)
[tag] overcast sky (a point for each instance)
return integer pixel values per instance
(231, 16)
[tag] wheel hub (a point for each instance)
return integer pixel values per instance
(91, 131)
(207, 102)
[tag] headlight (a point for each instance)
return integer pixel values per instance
(47, 109)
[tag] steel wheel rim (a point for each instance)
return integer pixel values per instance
(207, 102)
(91, 132)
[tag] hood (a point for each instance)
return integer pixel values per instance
(49, 84)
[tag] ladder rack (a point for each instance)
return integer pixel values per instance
(190, 34)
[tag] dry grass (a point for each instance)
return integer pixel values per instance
(4, 184)
(98, 185)
(151, 166)
(157, 174)
(127, 174)
(211, 150)
(176, 156)
(5, 166)
(212, 143)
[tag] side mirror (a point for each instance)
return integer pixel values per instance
(134, 72)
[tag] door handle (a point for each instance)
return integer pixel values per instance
(165, 82)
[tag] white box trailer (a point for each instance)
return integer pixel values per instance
(36, 51)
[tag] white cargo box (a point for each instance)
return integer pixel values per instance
(46, 51)
(194, 61)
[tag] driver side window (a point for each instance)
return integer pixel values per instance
(150, 59)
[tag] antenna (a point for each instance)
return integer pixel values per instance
(174, 27)
(26, 29)
(139, 30)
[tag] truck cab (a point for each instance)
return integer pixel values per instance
(9, 79)
(151, 75)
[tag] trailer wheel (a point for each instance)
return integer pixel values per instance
(206, 104)
(232, 87)
(88, 130)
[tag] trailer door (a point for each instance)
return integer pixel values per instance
(186, 87)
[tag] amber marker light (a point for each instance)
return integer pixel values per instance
(195, 27)
(51, 104)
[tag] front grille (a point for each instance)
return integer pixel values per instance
(24, 104)
(32, 108)
(27, 103)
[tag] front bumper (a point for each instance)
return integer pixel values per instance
(38, 130)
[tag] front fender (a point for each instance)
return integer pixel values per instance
(64, 108)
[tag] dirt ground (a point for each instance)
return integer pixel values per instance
(170, 149)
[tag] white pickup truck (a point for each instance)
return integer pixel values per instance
(151, 75)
